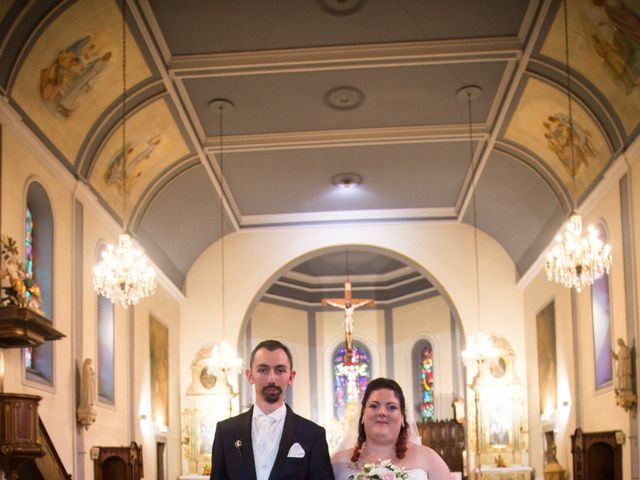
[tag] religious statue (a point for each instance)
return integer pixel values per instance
(625, 396)
(86, 411)
(348, 304)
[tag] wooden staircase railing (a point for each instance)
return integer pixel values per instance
(47, 467)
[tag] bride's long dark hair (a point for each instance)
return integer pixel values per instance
(401, 442)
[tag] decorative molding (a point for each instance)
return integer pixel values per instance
(346, 138)
(339, 279)
(10, 119)
(348, 57)
(379, 216)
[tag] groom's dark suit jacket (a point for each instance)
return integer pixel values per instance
(232, 456)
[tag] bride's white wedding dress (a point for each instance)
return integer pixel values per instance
(417, 474)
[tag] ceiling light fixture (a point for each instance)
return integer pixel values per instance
(344, 97)
(347, 180)
(480, 348)
(224, 358)
(576, 261)
(124, 275)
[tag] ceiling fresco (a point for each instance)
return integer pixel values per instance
(319, 90)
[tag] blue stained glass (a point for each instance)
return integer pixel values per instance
(28, 243)
(427, 404)
(359, 370)
(28, 267)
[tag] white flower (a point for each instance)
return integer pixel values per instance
(385, 470)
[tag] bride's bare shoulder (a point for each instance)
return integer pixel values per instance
(428, 460)
(343, 456)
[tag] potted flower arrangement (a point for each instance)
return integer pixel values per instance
(22, 321)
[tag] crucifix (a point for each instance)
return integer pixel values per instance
(348, 304)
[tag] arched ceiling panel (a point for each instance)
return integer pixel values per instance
(154, 142)
(604, 41)
(73, 73)
(540, 123)
(181, 222)
(405, 131)
(514, 206)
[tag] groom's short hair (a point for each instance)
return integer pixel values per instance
(272, 346)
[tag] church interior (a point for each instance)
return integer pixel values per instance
(392, 188)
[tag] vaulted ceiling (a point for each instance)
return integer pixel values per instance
(321, 88)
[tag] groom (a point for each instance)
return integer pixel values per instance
(270, 442)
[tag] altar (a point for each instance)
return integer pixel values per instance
(506, 473)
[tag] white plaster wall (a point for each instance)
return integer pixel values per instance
(597, 408)
(164, 308)
(537, 295)
(19, 167)
(290, 326)
(444, 252)
(431, 320)
(58, 406)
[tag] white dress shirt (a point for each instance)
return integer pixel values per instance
(266, 432)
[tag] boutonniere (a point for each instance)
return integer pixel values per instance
(238, 446)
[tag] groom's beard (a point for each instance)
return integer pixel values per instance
(271, 393)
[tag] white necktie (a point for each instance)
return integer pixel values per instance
(264, 424)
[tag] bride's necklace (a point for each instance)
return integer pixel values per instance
(368, 456)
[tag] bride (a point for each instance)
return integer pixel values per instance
(383, 434)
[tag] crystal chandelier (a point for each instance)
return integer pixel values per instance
(576, 261)
(124, 275)
(479, 350)
(224, 358)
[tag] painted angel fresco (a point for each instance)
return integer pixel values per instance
(558, 133)
(72, 74)
(136, 156)
(613, 29)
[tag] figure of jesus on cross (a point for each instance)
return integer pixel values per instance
(348, 304)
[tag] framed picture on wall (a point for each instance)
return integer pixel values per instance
(601, 312)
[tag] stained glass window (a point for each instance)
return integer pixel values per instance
(422, 356)
(28, 243)
(351, 377)
(28, 264)
(38, 262)
(601, 313)
(427, 410)
(105, 350)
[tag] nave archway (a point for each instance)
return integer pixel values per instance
(410, 307)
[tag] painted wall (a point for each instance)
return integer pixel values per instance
(579, 402)
(428, 319)
(20, 167)
(290, 326)
(443, 252)
(116, 425)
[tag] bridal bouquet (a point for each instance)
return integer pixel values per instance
(385, 470)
